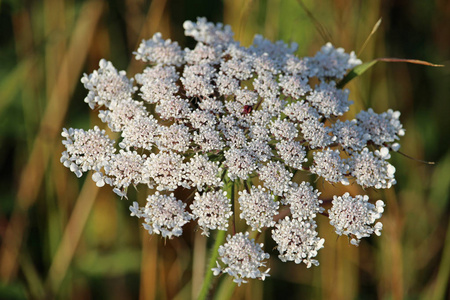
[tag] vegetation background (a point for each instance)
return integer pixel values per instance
(61, 237)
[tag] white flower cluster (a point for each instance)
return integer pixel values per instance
(303, 201)
(297, 241)
(163, 214)
(353, 216)
(222, 114)
(258, 208)
(212, 209)
(242, 258)
(86, 150)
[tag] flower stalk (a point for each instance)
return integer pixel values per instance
(226, 116)
(208, 281)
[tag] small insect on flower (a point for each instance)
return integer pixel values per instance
(221, 114)
(247, 109)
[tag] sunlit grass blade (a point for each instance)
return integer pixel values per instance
(410, 61)
(355, 72)
(324, 33)
(359, 70)
(33, 172)
(71, 237)
(418, 160)
(11, 84)
(374, 29)
(438, 289)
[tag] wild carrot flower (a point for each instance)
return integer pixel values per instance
(243, 258)
(248, 117)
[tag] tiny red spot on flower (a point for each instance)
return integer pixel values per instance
(247, 109)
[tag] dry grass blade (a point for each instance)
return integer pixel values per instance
(149, 268)
(149, 27)
(324, 33)
(32, 174)
(243, 18)
(360, 69)
(72, 235)
(374, 29)
(441, 282)
(198, 265)
(410, 61)
(415, 159)
(11, 84)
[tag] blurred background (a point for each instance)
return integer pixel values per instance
(62, 237)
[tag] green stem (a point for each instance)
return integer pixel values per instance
(233, 209)
(220, 237)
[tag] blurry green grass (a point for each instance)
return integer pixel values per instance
(114, 258)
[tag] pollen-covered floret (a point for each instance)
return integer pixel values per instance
(239, 63)
(293, 153)
(121, 114)
(158, 83)
(300, 111)
(233, 133)
(297, 241)
(212, 210)
(197, 80)
(277, 51)
(166, 169)
(201, 119)
(294, 86)
(160, 52)
(107, 85)
(200, 172)
(240, 163)
(298, 66)
(303, 201)
(124, 169)
(86, 150)
(275, 177)
(355, 216)
(258, 208)
(266, 86)
(330, 166)
(260, 150)
(329, 100)
(202, 54)
(227, 85)
(209, 33)
(208, 139)
(242, 258)
(330, 62)
(371, 168)
(173, 108)
(163, 214)
(283, 130)
(316, 133)
(349, 135)
(381, 128)
(175, 137)
(141, 132)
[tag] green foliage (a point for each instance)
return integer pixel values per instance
(355, 72)
(14, 291)
(45, 46)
